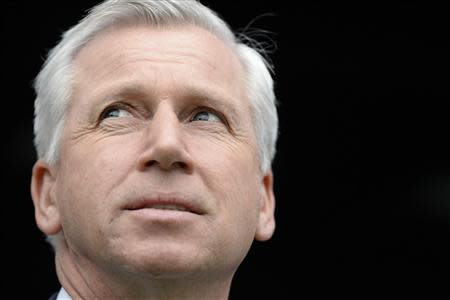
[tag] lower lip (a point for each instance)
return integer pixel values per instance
(162, 215)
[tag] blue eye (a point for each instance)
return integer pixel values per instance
(206, 116)
(115, 112)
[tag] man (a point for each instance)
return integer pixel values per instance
(155, 131)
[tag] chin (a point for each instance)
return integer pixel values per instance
(163, 262)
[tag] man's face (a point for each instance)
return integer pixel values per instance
(158, 167)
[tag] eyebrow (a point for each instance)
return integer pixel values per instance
(120, 92)
(126, 91)
(214, 99)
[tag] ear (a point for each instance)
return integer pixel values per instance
(266, 224)
(45, 205)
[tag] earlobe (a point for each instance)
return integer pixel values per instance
(42, 192)
(266, 225)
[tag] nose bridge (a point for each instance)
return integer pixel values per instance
(164, 142)
(165, 123)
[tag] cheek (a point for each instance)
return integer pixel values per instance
(236, 198)
(86, 179)
(233, 177)
(77, 193)
(231, 181)
(97, 165)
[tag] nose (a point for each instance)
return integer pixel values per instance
(165, 144)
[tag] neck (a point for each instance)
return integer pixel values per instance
(84, 280)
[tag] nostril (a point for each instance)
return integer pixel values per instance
(181, 165)
(184, 166)
(150, 163)
(174, 165)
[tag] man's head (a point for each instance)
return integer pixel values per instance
(155, 131)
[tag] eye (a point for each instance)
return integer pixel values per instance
(206, 116)
(115, 112)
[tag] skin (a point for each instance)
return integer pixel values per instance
(157, 115)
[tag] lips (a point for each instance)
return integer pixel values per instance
(165, 202)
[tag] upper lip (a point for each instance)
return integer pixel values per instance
(182, 202)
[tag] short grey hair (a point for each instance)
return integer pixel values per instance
(53, 85)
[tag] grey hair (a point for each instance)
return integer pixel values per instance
(53, 85)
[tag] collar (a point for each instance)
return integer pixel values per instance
(62, 295)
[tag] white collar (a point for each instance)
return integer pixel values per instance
(62, 295)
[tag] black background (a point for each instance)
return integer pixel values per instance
(362, 171)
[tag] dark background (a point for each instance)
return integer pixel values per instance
(362, 171)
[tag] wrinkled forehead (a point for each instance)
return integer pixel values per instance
(137, 49)
(120, 40)
(161, 47)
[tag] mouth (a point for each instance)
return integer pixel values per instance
(165, 203)
(167, 207)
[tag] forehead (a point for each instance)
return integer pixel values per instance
(173, 58)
